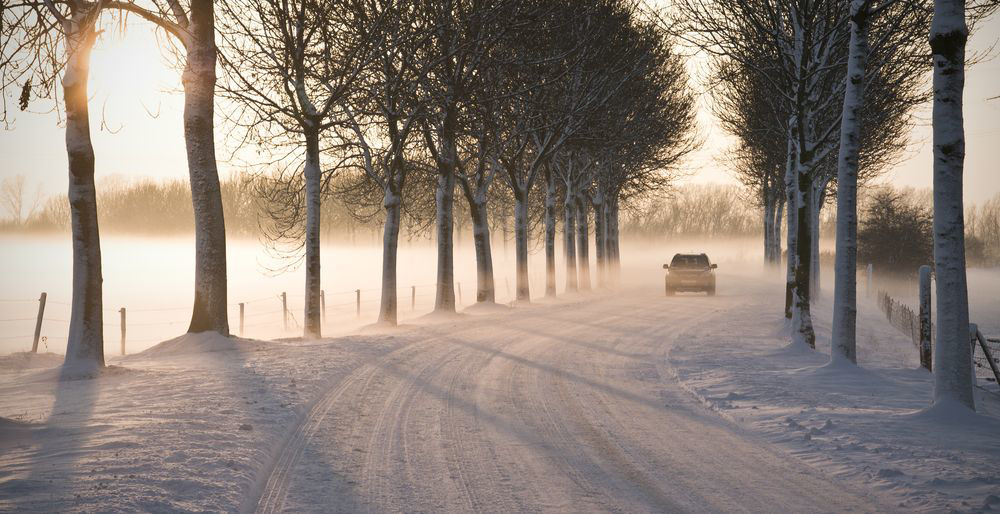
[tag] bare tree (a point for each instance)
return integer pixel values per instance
(382, 111)
(15, 199)
(192, 25)
(949, 32)
(289, 67)
(49, 41)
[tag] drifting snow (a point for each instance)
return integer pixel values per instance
(571, 406)
(868, 424)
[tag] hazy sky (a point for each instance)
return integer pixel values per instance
(137, 130)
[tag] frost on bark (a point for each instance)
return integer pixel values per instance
(85, 346)
(583, 243)
(792, 231)
(445, 204)
(569, 241)
(845, 309)
(614, 262)
(779, 211)
(485, 288)
(953, 378)
(818, 199)
(312, 172)
(550, 233)
(521, 245)
(210, 294)
(388, 306)
(600, 239)
(768, 220)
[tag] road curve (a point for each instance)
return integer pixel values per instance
(562, 407)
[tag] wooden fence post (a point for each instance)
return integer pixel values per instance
(459, 293)
(122, 311)
(284, 310)
(986, 353)
(925, 317)
(38, 322)
(241, 319)
(413, 298)
(357, 293)
(322, 304)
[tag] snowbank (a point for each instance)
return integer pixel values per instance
(204, 342)
(870, 423)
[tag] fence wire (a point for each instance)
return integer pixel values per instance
(906, 321)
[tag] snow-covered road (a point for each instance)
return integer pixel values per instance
(564, 407)
(595, 402)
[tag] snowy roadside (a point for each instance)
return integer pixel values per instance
(863, 425)
(185, 425)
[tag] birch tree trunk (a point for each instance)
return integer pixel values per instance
(583, 244)
(388, 307)
(85, 342)
(843, 343)
(569, 237)
(210, 294)
(485, 289)
(521, 245)
(550, 234)
(312, 315)
(953, 378)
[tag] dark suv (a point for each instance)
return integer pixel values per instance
(690, 272)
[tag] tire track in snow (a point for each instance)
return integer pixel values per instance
(272, 492)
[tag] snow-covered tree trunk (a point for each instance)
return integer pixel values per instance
(792, 231)
(953, 378)
(600, 239)
(388, 307)
(818, 199)
(210, 293)
(614, 255)
(802, 329)
(485, 290)
(768, 220)
(550, 233)
(843, 343)
(85, 342)
(583, 244)
(521, 245)
(445, 206)
(569, 240)
(779, 211)
(312, 172)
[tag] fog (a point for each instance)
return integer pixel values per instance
(152, 278)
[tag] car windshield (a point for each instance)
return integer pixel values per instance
(689, 261)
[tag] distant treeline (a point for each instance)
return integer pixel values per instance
(696, 210)
(150, 207)
(703, 210)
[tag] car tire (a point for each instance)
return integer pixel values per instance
(668, 290)
(711, 290)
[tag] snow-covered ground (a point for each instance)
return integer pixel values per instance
(628, 402)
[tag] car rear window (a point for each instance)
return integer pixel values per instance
(689, 261)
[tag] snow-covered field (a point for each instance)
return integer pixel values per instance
(627, 402)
